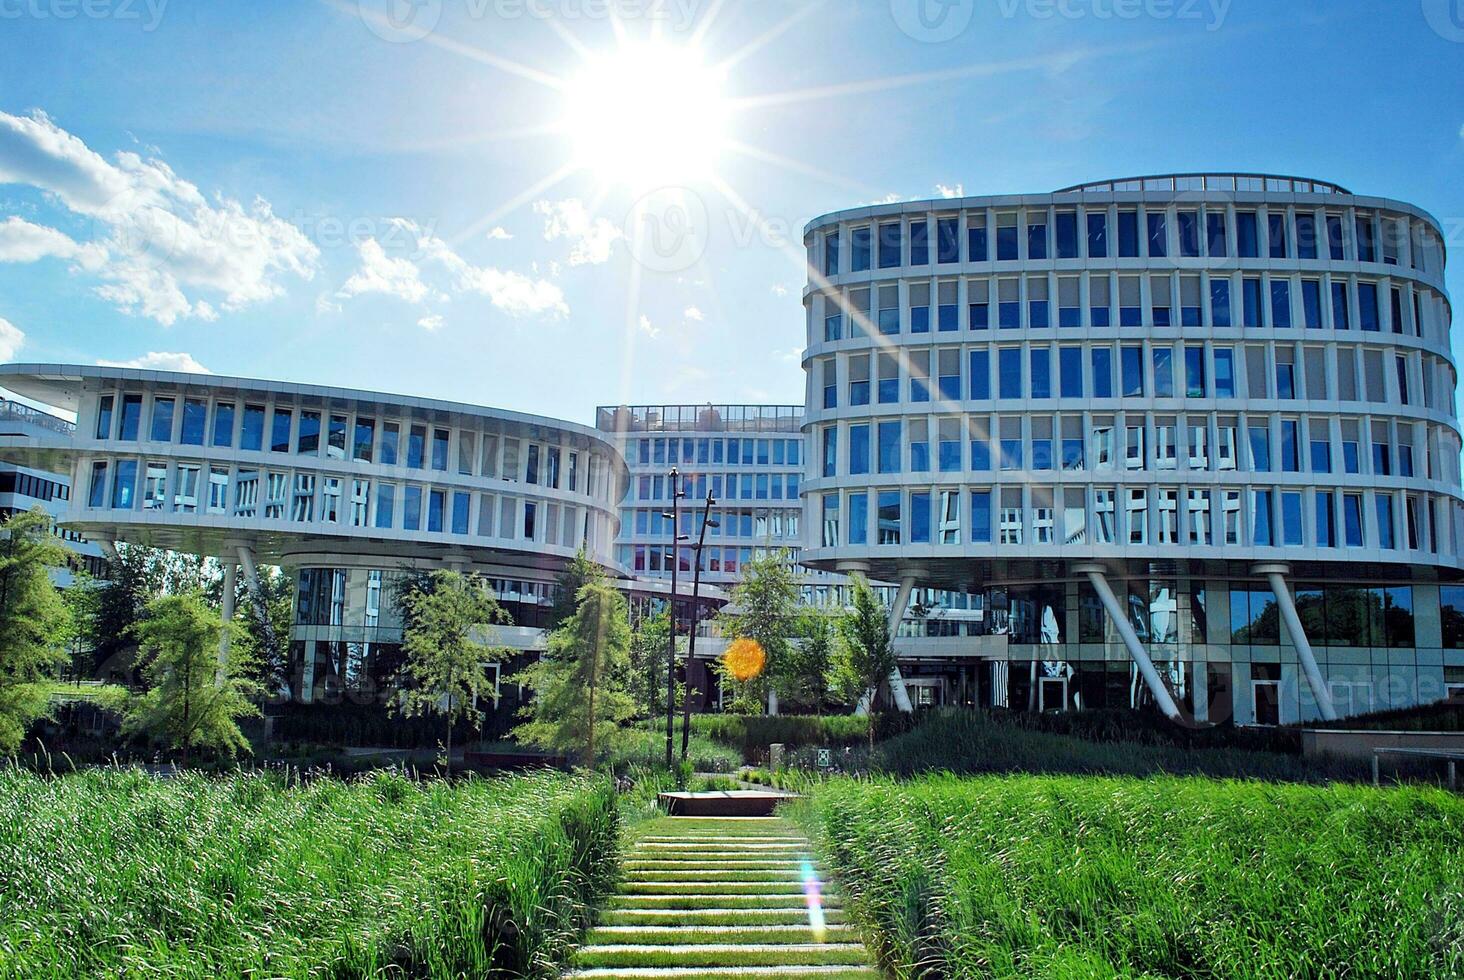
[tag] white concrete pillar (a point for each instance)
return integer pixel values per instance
(772, 701)
(1276, 575)
(898, 692)
(1136, 649)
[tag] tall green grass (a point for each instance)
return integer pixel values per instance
(114, 872)
(1019, 876)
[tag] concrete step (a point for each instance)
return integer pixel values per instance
(714, 916)
(788, 900)
(689, 933)
(689, 887)
(721, 954)
(828, 972)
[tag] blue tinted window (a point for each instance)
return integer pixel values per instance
(124, 484)
(919, 242)
(980, 370)
(859, 250)
(1290, 447)
(1010, 315)
(1291, 518)
(976, 244)
(1158, 234)
(1311, 303)
(947, 317)
(1260, 443)
(980, 516)
(1036, 239)
(1280, 303)
(947, 240)
(531, 520)
(920, 319)
(1037, 313)
(131, 418)
(1102, 358)
(1250, 302)
(1006, 243)
(1247, 235)
(831, 253)
(889, 390)
(97, 492)
(195, 420)
(1326, 529)
(1070, 363)
(950, 455)
(980, 455)
(251, 436)
(830, 451)
(919, 389)
(1276, 235)
(162, 420)
(1261, 519)
(1352, 519)
(1163, 372)
(1097, 235)
(1041, 373)
(1194, 372)
(1132, 362)
(1367, 306)
(1220, 302)
(1072, 454)
(1188, 225)
(1321, 456)
(1384, 505)
(1366, 246)
(1128, 234)
(412, 509)
(1224, 373)
(460, 512)
(890, 245)
(919, 456)
(308, 438)
(833, 327)
(859, 449)
(1306, 236)
(858, 518)
(1011, 454)
(223, 427)
(889, 320)
(889, 447)
(887, 517)
(980, 316)
(1067, 234)
(279, 433)
(1216, 244)
(439, 453)
(104, 417)
(920, 517)
(1009, 372)
(417, 448)
(1336, 244)
(1341, 318)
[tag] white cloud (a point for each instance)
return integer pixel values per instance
(157, 240)
(513, 292)
(500, 234)
(21, 241)
(647, 329)
(161, 361)
(793, 355)
(592, 238)
(381, 273)
(325, 303)
(694, 314)
(949, 191)
(12, 338)
(779, 289)
(431, 323)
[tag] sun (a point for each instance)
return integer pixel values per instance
(647, 114)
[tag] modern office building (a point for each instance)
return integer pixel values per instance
(1187, 441)
(350, 490)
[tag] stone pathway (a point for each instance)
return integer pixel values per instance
(721, 897)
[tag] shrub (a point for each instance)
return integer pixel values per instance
(645, 745)
(966, 741)
(752, 734)
(115, 872)
(1085, 877)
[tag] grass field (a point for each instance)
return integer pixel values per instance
(113, 872)
(1057, 876)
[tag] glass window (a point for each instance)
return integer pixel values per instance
(1247, 235)
(1326, 530)
(831, 252)
(1367, 306)
(97, 491)
(1067, 234)
(1311, 303)
(919, 242)
(1276, 235)
(859, 241)
(1336, 244)
(435, 506)
(889, 446)
(1341, 316)
(1102, 358)
(195, 421)
(1194, 372)
(223, 427)
(251, 435)
(104, 417)
(162, 420)
(891, 244)
(1041, 372)
(1163, 372)
(124, 484)
(1383, 503)
(888, 517)
(1128, 234)
(1037, 236)
(981, 527)
(1220, 302)
(1132, 360)
(335, 444)
(1250, 292)
(131, 418)
(947, 240)
(390, 440)
(1070, 363)
(307, 442)
(1009, 372)
(365, 437)
(858, 518)
(412, 508)
(1280, 303)
(1261, 518)
(1188, 225)
(440, 439)
(920, 517)
(1352, 520)
(976, 247)
(1224, 373)
(858, 449)
(1158, 235)
(1006, 238)
(1217, 243)
(279, 436)
(1306, 236)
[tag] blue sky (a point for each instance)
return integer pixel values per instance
(274, 189)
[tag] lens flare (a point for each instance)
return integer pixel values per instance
(744, 659)
(813, 896)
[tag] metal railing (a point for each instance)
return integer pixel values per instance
(699, 418)
(11, 411)
(1232, 182)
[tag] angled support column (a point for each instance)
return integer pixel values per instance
(226, 612)
(251, 579)
(1120, 619)
(897, 614)
(1276, 575)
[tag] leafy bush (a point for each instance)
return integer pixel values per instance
(964, 741)
(115, 872)
(1152, 728)
(1093, 877)
(752, 734)
(645, 745)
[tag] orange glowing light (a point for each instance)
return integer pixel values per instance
(744, 659)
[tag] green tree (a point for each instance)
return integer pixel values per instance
(866, 652)
(649, 642)
(811, 661)
(193, 699)
(581, 571)
(580, 697)
(264, 633)
(445, 667)
(34, 621)
(765, 608)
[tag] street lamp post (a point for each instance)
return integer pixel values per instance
(701, 542)
(676, 538)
